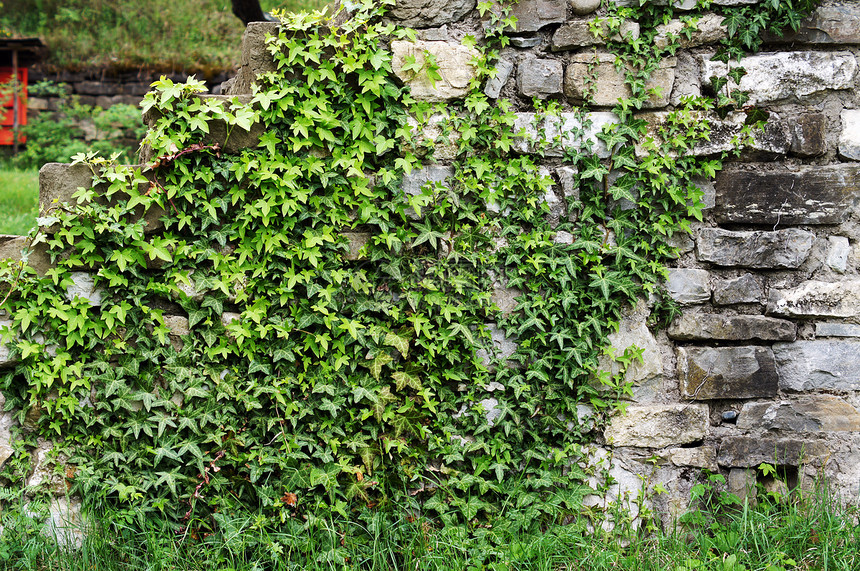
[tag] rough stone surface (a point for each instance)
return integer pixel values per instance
(849, 138)
(754, 249)
(583, 7)
(816, 299)
(821, 413)
(539, 77)
(632, 331)
(703, 326)
(656, 426)
(65, 523)
(838, 250)
(742, 483)
(708, 373)
(704, 457)
(688, 286)
(437, 133)
(429, 13)
(356, 241)
(818, 365)
(178, 324)
(5, 360)
(432, 174)
(455, 67)
(775, 138)
(707, 30)
(494, 86)
(527, 42)
(837, 23)
(562, 133)
(760, 194)
(744, 452)
(809, 135)
(501, 346)
(610, 86)
(256, 59)
(787, 76)
(37, 258)
(532, 15)
(83, 287)
(577, 34)
(837, 330)
(744, 289)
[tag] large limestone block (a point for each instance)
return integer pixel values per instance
(761, 193)
(566, 132)
(708, 373)
(744, 289)
(633, 332)
(708, 29)
(787, 76)
(754, 249)
(705, 326)
(14, 247)
(609, 85)
(656, 426)
(59, 181)
(744, 452)
(532, 15)
(821, 413)
(429, 13)
(539, 77)
(816, 299)
(577, 34)
(454, 62)
(832, 364)
(256, 58)
(725, 135)
(835, 23)
(688, 286)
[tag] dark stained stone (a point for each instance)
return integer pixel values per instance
(760, 194)
(745, 452)
(708, 373)
(702, 326)
(754, 249)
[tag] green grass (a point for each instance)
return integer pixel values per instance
(803, 534)
(19, 200)
(196, 36)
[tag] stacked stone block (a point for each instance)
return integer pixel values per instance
(763, 365)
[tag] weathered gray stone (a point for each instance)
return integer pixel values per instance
(763, 194)
(437, 133)
(754, 249)
(837, 330)
(816, 299)
(555, 135)
(494, 86)
(501, 346)
(577, 34)
(609, 85)
(707, 30)
(744, 452)
(5, 360)
(356, 241)
(849, 138)
(818, 365)
(58, 182)
(429, 13)
(820, 413)
(439, 34)
(430, 175)
(838, 250)
(178, 324)
(656, 426)
(787, 76)
(704, 457)
(703, 326)
(708, 373)
(583, 7)
(83, 287)
(12, 248)
(527, 42)
(809, 132)
(532, 15)
(256, 58)
(65, 523)
(688, 286)
(455, 62)
(837, 23)
(633, 332)
(539, 77)
(505, 298)
(742, 483)
(725, 135)
(567, 181)
(744, 289)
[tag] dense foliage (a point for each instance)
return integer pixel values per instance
(310, 381)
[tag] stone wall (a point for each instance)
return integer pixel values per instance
(764, 363)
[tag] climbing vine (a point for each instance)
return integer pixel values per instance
(284, 330)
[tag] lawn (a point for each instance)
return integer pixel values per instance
(19, 200)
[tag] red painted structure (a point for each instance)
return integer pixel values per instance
(16, 54)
